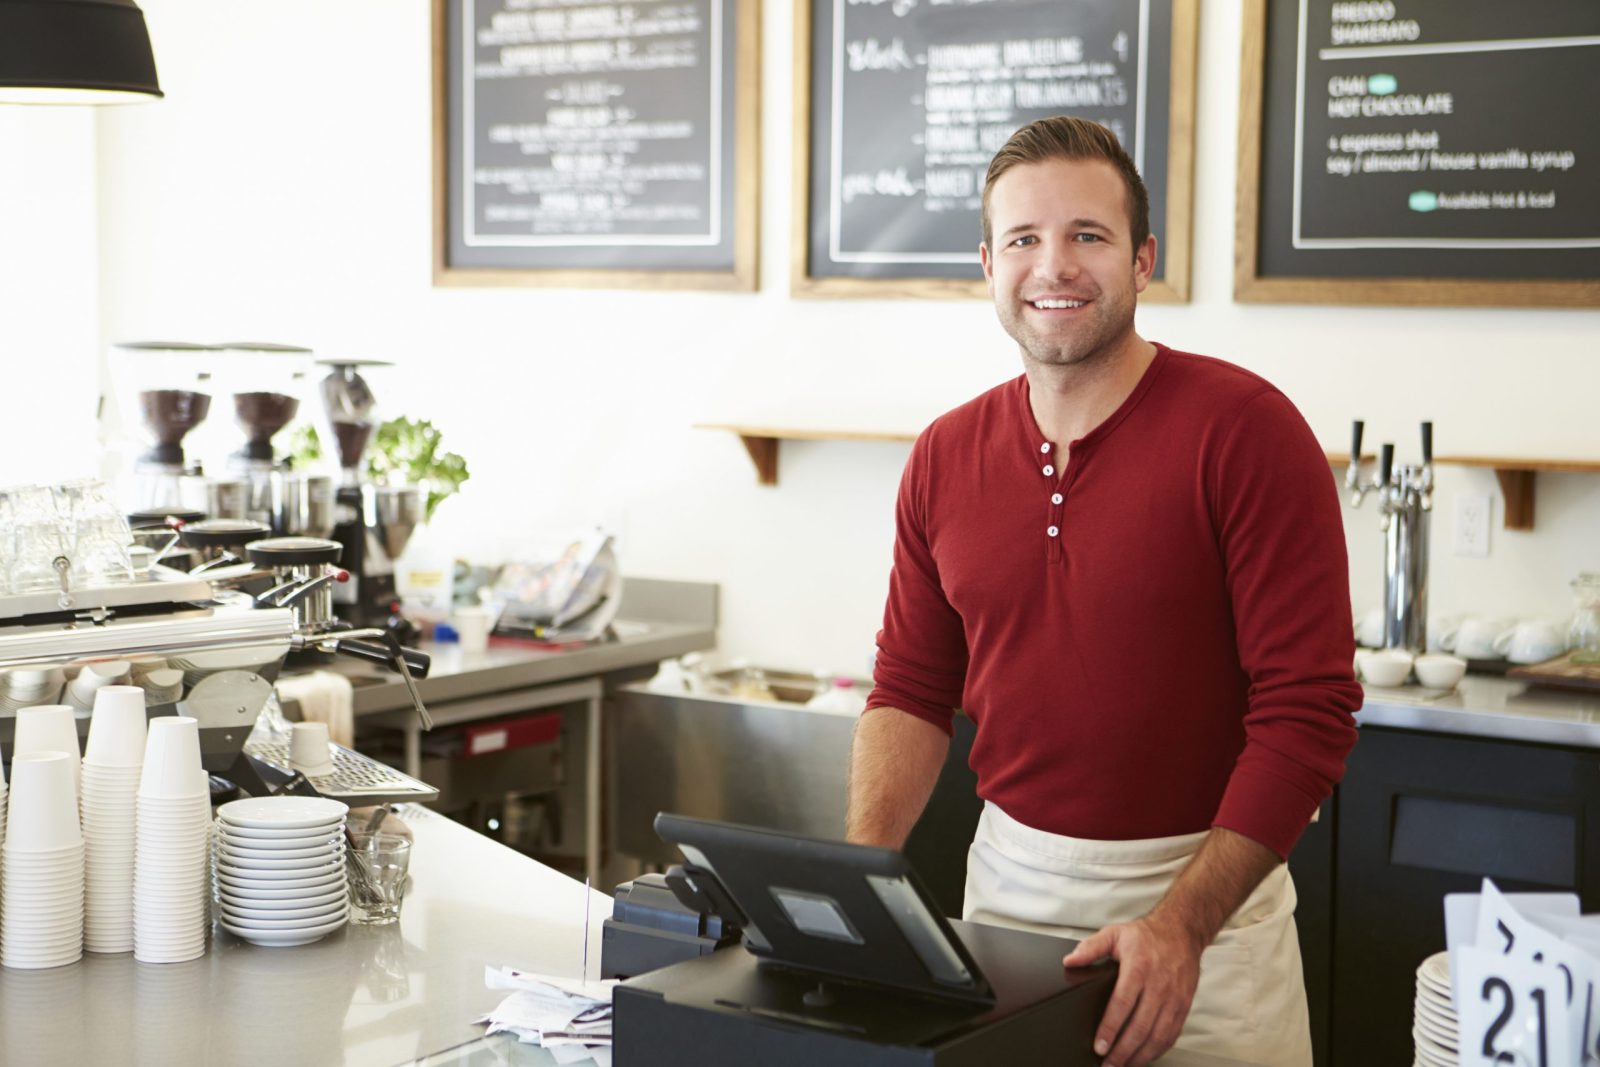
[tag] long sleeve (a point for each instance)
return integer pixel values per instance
(1276, 511)
(921, 664)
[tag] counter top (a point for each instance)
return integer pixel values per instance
(1486, 706)
(366, 995)
(461, 675)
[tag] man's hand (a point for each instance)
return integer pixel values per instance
(1159, 970)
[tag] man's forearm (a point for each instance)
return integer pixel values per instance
(1216, 882)
(894, 762)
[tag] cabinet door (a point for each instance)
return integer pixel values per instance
(1422, 815)
(1311, 866)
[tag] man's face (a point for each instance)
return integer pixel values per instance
(1062, 271)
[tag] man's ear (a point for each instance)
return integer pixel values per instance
(988, 266)
(1144, 264)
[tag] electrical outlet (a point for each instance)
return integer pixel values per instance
(1472, 524)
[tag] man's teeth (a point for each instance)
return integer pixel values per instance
(1055, 304)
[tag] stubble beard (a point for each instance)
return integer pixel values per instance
(1091, 342)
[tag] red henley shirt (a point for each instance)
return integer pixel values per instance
(1156, 642)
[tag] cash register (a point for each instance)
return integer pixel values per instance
(844, 961)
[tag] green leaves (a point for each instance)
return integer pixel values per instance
(402, 452)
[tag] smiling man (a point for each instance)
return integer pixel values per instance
(1127, 566)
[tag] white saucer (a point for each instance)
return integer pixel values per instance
(283, 938)
(282, 813)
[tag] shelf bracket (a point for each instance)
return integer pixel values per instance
(1517, 488)
(764, 454)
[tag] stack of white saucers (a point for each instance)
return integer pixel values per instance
(280, 869)
(171, 909)
(112, 765)
(41, 877)
(1434, 1024)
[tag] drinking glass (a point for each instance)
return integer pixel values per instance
(377, 865)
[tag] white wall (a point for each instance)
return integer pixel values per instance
(282, 191)
(48, 315)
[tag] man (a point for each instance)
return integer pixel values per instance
(1128, 567)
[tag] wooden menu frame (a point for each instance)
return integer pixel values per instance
(1174, 246)
(1250, 286)
(743, 277)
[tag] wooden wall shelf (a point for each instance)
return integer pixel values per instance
(1515, 475)
(762, 442)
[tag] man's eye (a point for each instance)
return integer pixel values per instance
(1086, 237)
(1025, 239)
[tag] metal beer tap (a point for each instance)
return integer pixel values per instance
(1405, 501)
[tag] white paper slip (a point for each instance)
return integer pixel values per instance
(598, 990)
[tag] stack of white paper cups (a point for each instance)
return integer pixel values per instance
(49, 728)
(41, 876)
(112, 765)
(171, 909)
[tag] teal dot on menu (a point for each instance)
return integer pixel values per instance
(1382, 84)
(1422, 200)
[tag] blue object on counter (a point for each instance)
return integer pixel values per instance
(445, 634)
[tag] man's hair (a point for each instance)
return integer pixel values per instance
(1070, 137)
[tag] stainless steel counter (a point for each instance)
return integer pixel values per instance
(1484, 706)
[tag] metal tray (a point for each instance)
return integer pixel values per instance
(356, 779)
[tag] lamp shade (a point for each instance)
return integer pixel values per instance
(75, 52)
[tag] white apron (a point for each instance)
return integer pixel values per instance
(1251, 1003)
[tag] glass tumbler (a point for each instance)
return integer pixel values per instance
(1583, 636)
(377, 865)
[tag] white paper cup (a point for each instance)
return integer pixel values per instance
(43, 812)
(117, 729)
(308, 748)
(472, 624)
(172, 759)
(49, 728)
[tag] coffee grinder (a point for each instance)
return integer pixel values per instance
(166, 386)
(374, 522)
(268, 382)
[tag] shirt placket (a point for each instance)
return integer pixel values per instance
(1055, 489)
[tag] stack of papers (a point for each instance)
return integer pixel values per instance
(569, 1017)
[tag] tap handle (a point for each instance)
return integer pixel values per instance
(1356, 429)
(1427, 443)
(1386, 463)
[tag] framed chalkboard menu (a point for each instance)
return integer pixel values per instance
(610, 144)
(1420, 152)
(900, 104)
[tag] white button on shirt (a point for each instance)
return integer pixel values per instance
(1048, 470)
(1056, 498)
(1045, 447)
(1052, 531)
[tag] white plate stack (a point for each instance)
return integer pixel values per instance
(171, 906)
(41, 877)
(280, 869)
(112, 764)
(1434, 1029)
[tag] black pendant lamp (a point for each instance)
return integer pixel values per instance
(75, 52)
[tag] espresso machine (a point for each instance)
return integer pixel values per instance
(373, 522)
(214, 648)
(268, 382)
(1405, 500)
(165, 386)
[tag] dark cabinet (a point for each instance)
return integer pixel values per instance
(1420, 815)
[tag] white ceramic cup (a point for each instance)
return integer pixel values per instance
(172, 759)
(1386, 667)
(308, 748)
(1369, 628)
(1532, 641)
(1439, 671)
(472, 624)
(42, 815)
(81, 690)
(117, 728)
(1473, 637)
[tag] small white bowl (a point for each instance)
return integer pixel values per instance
(1387, 668)
(1436, 671)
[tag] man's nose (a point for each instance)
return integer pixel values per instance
(1058, 259)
